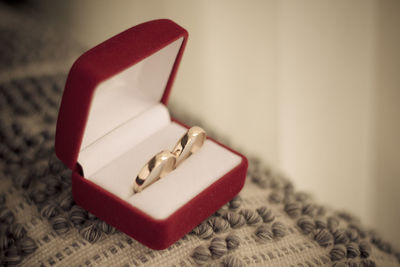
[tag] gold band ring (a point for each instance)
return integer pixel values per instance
(165, 161)
(189, 143)
(157, 167)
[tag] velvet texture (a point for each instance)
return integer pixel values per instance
(93, 67)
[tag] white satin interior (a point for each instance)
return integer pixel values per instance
(168, 194)
(129, 93)
(127, 125)
(117, 142)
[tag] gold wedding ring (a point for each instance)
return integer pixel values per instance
(165, 161)
(157, 167)
(189, 143)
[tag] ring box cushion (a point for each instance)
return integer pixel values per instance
(113, 118)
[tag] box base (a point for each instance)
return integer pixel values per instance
(158, 234)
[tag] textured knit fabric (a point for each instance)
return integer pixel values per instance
(270, 223)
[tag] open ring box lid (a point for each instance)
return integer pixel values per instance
(113, 118)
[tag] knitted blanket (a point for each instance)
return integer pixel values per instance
(269, 223)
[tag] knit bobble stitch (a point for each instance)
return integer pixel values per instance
(60, 224)
(279, 229)
(27, 246)
(264, 233)
(201, 254)
(340, 236)
(203, 230)
(275, 198)
(293, 209)
(306, 224)
(232, 241)
(352, 250)
(251, 216)
(218, 224)
(365, 249)
(235, 220)
(90, 233)
(266, 214)
(324, 238)
(218, 247)
(338, 252)
(235, 202)
(332, 223)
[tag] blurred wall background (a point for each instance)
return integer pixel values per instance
(311, 87)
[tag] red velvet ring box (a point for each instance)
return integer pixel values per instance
(113, 118)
